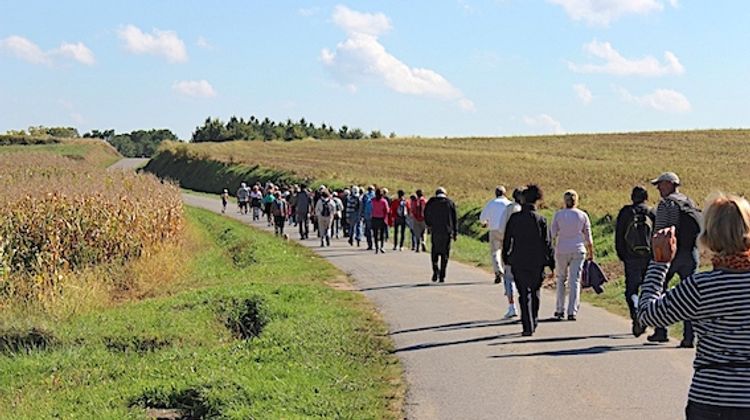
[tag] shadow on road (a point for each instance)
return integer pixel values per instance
(584, 351)
(459, 326)
(426, 346)
(414, 285)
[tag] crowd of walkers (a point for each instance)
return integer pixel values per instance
(358, 215)
(654, 245)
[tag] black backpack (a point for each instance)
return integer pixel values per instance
(691, 221)
(638, 233)
(326, 211)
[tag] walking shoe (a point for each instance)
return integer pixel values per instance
(571, 317)
(357, 244)
(559, 316)
(527, 333)
(424, 248)
(434, 277)
(442, 280)
(382, 251)
(511, 312)
(637, 329)
(498, 278)
(377, 250)
(685, 344)
(395, 247)
(400, 249)
(658, 337)
(351, 242)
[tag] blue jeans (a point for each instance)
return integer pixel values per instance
(355, 229)
(635, 272)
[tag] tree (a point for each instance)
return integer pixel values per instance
(376, 134)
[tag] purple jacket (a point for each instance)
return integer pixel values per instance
(593, 276)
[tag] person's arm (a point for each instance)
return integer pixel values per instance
(620, 247)
(484, 217)
(667, 214)
(659, 309)
(454, 220)
(555, 229)
(587, 236)
(547, 241)
(508, 241)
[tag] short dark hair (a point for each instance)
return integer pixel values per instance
(532, 194)
(401, 193)
(419, 193)
(639, 194)
(518, 194)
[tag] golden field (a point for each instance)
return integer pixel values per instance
(59, 217)
(603, 168)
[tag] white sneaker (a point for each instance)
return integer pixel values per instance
(511, 312)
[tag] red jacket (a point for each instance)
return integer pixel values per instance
(394, 210)
(416, 208)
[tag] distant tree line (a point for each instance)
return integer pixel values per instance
(42, 131)
(213, 129)
(138, 143)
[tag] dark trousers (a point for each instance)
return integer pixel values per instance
(303, 221)
(635, 272)
(367, 223)
(528, 282)
(278, 225)
(378, 231)
(399, 224)
(441, 250)
(684, 265)
(698, 411)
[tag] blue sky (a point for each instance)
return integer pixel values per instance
(430, 68)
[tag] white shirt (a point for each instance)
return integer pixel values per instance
(494, 213)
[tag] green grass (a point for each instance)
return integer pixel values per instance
(322, 352)
(93, 151)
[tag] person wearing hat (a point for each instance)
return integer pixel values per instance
(633, 231)
(441, 221)
(676, 209)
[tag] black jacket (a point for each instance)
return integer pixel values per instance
(527, 242)
(440, 216)
(623, 220)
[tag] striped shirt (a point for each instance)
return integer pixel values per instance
(718, 303)
(668, 211)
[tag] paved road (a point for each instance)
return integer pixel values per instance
(463, 362)
(129, 163)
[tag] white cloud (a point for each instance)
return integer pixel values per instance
(307, 12)
(28, 51)
(78, 52)
(355, 23)
(361, 56)
(665, 100)
(163, 43)
(602, 12)
(194, 88)
(583, 92)
(616, 64)
(544, 124)
(25, 50)
(203, 43)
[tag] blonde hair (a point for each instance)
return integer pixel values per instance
(570, 198)
(726, 224)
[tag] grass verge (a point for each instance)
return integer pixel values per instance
(251, 331)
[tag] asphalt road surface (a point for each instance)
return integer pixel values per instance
(463, 361)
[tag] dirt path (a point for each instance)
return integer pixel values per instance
(463, 362)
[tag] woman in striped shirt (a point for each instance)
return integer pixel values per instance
(718, 303)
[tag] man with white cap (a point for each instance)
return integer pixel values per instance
(493, 217)
(440, 218)
(676, 209)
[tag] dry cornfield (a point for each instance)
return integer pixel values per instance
(59, 216)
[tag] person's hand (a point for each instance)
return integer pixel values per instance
(664, 244)
(551, 275)
(455, 237)
(484, 223)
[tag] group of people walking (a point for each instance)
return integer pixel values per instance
(357, 214)
(653, 245)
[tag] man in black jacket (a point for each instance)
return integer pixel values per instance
(440, 218)
(633, 232)
(527, 247)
